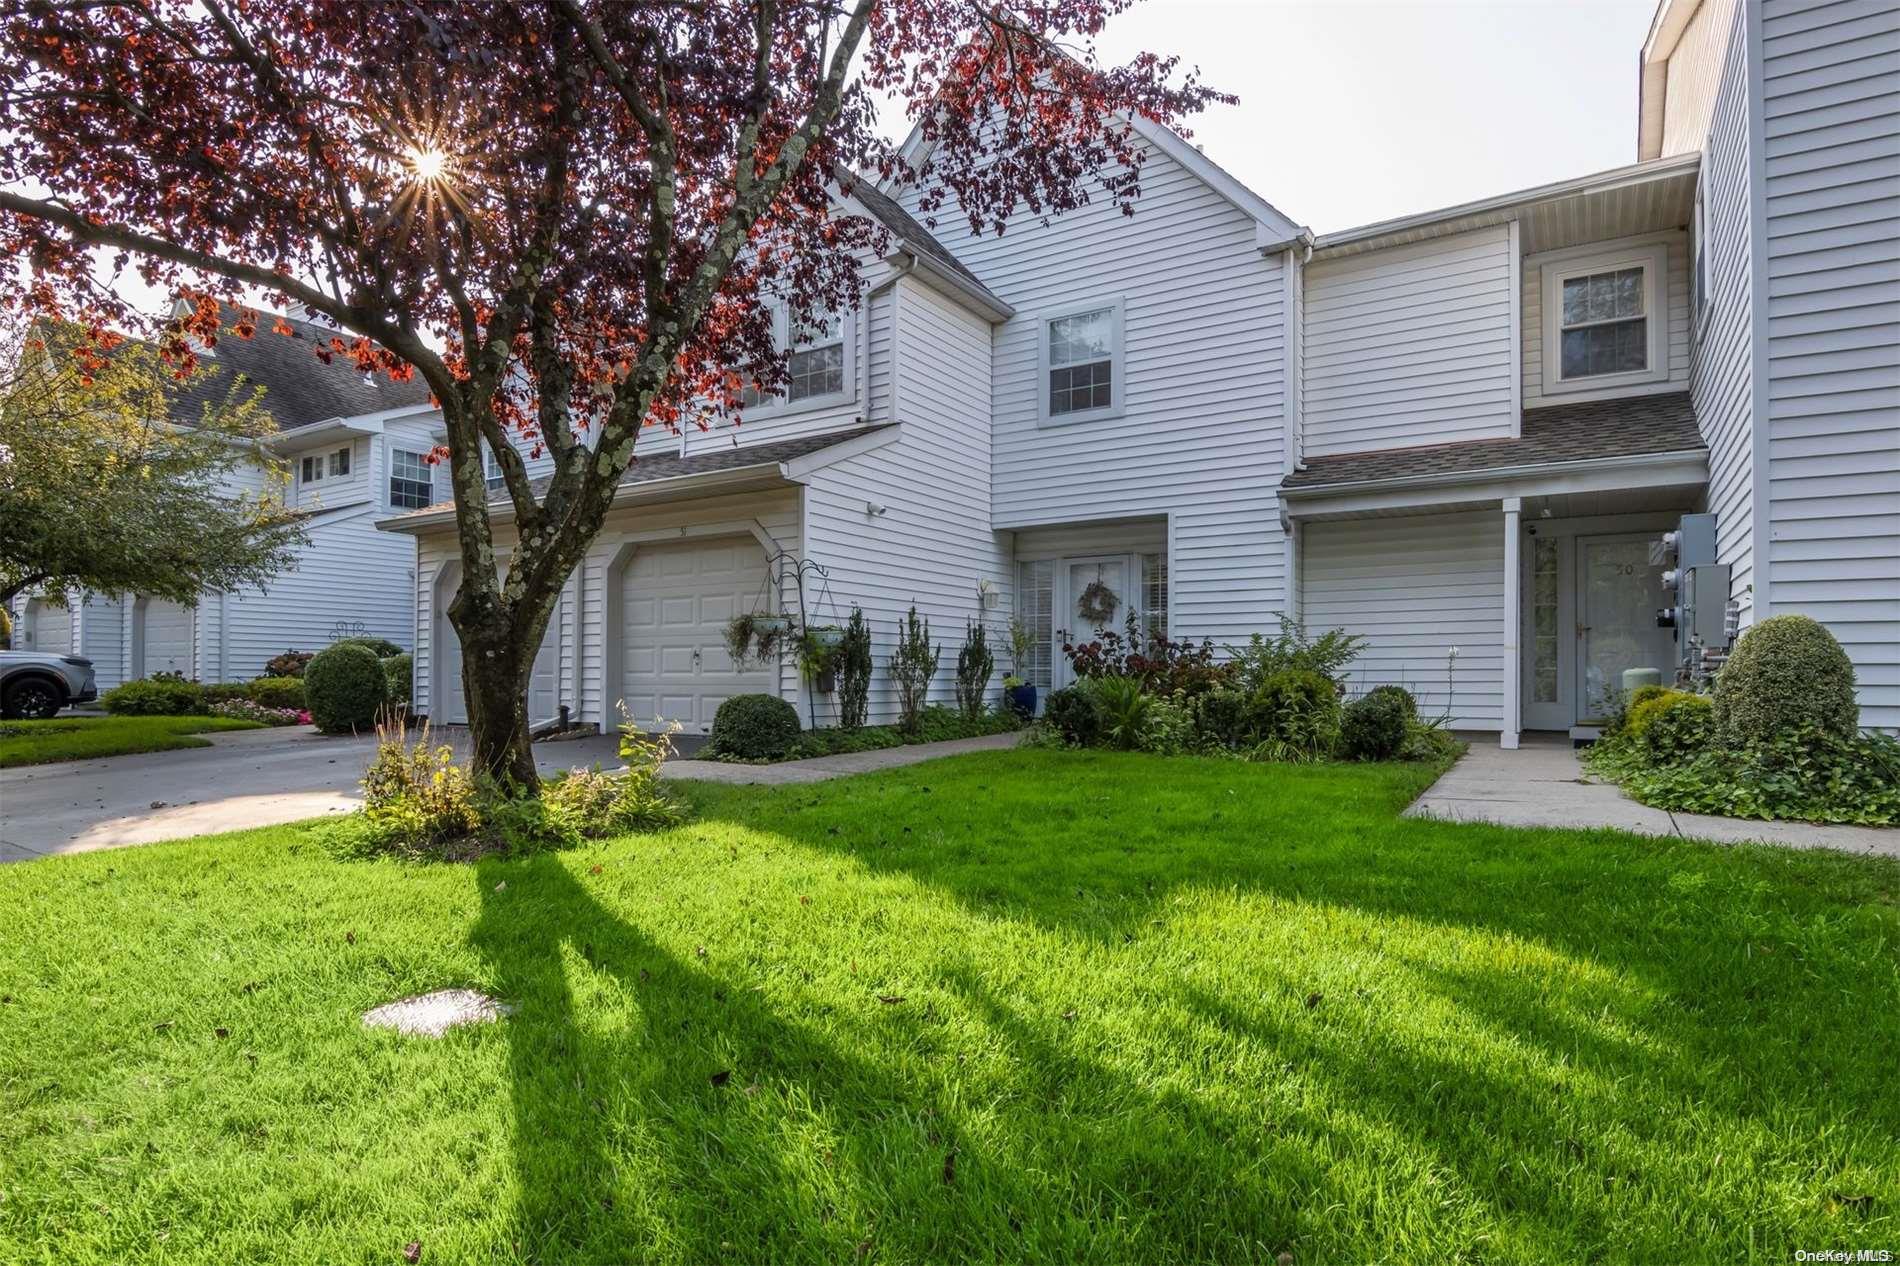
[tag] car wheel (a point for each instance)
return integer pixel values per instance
(34, 698)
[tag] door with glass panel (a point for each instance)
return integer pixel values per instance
(1547, 637)
(1094, 593)
(1618, 593)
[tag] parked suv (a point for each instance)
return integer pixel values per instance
(36, 685)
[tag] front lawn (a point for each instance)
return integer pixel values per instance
(89, 738)
(1031, 1006)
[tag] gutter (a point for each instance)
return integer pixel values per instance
(423, 520)
(1492, 472)
(989, 305)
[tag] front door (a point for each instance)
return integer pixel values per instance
(1618, 594)
(1092, 593)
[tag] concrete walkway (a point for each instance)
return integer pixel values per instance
(252, 778)
(1543, 783)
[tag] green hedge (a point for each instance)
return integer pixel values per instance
(169, 696)
(1787, 674)
(754, 727)
(278, 692)
(399, 679)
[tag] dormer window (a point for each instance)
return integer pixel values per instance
(314, 465)
(339, 463)
(1082, 372)
(1604, 319)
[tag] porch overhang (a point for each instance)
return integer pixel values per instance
(1686, 469)
(784, 464)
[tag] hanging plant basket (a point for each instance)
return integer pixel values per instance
(754, 637)
(1097, 603)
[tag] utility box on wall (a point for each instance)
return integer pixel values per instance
(1698, 588)
(1704, 618)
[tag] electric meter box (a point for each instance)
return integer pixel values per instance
(1704, 608)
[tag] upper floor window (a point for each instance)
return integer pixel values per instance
(411, 482)
(1082, 363)
(1605, 319)
(818, 371)
(311, 469)
(491, 471)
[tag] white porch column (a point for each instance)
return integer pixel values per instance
(1513, 661)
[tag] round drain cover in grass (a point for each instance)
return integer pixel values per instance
(433, 1014)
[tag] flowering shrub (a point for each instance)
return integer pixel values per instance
(245, 710)
(160, 695)
(1161, 666)
(289, 664)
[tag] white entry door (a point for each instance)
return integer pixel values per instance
(1098, 581)
(1618, 594)
(676, 601)
(164, 637)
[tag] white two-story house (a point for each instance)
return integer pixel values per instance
(1460, 429)
(357, 448)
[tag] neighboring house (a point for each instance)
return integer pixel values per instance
(356, 449)
(1462, 429)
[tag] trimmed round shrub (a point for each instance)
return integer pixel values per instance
(1297, 708)
(1075, 713)
(344, 688)
(755, 727)
(1399, 694)
(1373, 728)
(169, 696)
(1673, 727)
(278, 692)
(1788, 673)
(380, 647)
(399, 673)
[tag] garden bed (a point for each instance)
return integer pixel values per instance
(934, 725)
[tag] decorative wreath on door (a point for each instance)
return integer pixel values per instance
(1097, 603)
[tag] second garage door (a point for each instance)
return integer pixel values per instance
(165, 633)
(676, 601)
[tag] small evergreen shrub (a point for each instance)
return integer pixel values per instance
(278, 692)
(1076, 714)
(1673, 726)
(1296, 713)
(1787, 674)
(344, 688)
(975, 666)
(913, 666)
(1400, 694)
(1221, 719)
(163, 695)
(754, 727)
(1170, 728)
(399, 679)
(1373, 727)
(380, 647)
(854, 672)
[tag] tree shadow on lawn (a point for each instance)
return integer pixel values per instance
(1748, 993)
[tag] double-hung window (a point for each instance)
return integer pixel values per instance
(818, 370)
(311, 468)
(411, 482)
(1082, 372)
(491, 470)
(1605, 319)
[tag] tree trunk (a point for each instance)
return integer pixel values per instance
(497, 661)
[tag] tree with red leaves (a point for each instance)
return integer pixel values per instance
(569, 216)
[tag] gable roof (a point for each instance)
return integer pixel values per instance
(1587, 431)
(299, 389)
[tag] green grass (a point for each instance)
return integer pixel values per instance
(89, 738)
(1025, 1006)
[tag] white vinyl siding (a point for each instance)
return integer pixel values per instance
(1200, 436)
(1721, 383)
(1410, 345)
(1673, 295)
(932, 545)
(1831, 151)
(1415, 588)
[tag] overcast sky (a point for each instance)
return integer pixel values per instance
(1353, 111)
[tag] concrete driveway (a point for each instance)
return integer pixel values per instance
(248, 778)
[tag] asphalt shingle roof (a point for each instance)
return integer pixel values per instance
(905, 228)
(299, 389)
(1552, 435)
(646, 470)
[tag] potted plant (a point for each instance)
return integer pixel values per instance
(754, 636)
(1016, 688)
(819, 651)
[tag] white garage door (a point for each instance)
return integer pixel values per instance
(166, 628)
(48, 629)
(453, 710)
(676, 601)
